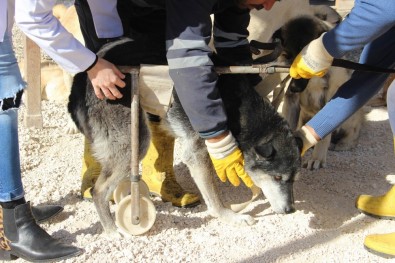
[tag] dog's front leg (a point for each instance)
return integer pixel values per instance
(318, 158)
(202, 171)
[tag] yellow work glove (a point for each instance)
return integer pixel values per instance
(228, 161)
(312, 61)
(307, 138)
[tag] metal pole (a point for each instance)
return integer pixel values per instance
(134, 129)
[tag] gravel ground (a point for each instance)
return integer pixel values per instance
(325, 228)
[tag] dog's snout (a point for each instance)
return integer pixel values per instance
(290, 210)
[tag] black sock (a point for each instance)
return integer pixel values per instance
(12, 204)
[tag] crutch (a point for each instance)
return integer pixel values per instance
(135, 213)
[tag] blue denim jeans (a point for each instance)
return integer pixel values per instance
(11, 83)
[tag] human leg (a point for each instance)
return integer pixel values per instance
(381, 206)
(20, 236)
(158, 172)
(19, 233)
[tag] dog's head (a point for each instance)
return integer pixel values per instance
(271, 154)
(294, 36)
(298, 32)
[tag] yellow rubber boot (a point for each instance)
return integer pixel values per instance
(90, 171)
(378, 206)
(158, 173)
(381, 244)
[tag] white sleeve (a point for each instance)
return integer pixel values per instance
(3, 19)
(35, 19)
(106, 18)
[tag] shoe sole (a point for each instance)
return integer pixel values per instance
(16, 256)
(377, 216)
(380, 254)
(153, 194)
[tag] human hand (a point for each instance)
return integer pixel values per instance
(105, 78)
(313, 61)
(228, 161)
(307, 137)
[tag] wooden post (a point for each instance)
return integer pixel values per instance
(32, 69)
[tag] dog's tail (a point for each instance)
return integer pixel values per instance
(77, 106)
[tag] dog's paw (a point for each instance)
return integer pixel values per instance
(112, 234)
(314, 164)
(71, 128)
(234, 219)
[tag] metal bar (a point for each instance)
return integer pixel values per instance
(253, 69)
(134, 130)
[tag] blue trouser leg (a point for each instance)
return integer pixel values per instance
(361, 87)
(10, 172)
(391, 106)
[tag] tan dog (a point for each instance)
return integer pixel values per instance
(304, 98)
(263, 26)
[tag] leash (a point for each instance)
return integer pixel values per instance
(360, 67)
(255, 46)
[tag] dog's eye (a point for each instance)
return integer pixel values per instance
(266, 150)
(278, 178)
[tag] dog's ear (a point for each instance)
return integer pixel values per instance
(266, 150)
(277, 36)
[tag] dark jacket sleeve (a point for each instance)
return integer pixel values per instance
(189, 30)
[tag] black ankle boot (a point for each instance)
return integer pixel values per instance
(40, 213)
(20, 236)
(43, 213)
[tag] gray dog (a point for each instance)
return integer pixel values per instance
(271, 153)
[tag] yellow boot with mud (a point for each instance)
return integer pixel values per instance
(381, 244)
(158, 173)
(378, 206)
(90, 171)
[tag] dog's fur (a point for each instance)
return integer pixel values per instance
(272, 157)
(300, 107)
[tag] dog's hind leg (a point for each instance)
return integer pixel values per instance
(202, 172)
(101, 195)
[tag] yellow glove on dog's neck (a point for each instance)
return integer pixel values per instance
(308, 139)
(313, 61)
(228, 161)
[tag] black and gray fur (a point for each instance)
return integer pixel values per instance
(272, 157)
